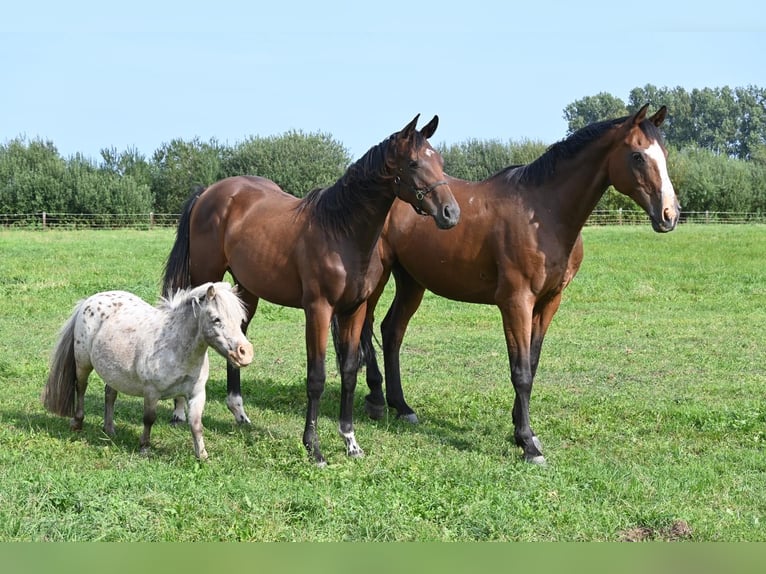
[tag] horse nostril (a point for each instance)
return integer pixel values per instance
(667, 214)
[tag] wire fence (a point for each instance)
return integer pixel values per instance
(46, 220)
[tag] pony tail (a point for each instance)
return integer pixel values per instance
(177, 272)
(59, 393)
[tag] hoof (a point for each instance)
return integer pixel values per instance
(374, 411)
(243, 420)
(358, 453)
(176, 420)
(321, 463)
(538, 460)
(411, 418)
(537, 443)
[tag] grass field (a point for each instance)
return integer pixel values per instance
(649, 402)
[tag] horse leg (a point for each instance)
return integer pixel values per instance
(233, 382)
(110, 396)
(349, 331)
(150, 415)
(541, 319)
(375, 401)
(318, 318)
(82, 374)
(407, 299)
(196, 406)
(517, 327)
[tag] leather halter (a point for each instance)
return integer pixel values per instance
(420, 193)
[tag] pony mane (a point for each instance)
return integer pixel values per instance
(351, 199)
(543, 167)
(228, 301)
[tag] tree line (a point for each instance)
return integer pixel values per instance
(716, 139)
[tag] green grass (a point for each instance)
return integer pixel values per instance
(649, 401)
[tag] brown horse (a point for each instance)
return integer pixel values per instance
(517, 247)
(317, 253)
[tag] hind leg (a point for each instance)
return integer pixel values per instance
(233, 382)
(196, 407)
(82, 373)
(110, 395)
(150, 415)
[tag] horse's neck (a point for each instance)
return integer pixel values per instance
(578, 185)
(180, 326)
(367, 211)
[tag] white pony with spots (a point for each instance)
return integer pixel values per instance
(151, 352)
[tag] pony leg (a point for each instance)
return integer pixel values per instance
(179, 411)
(517, 326)
(317, 325)
(409, 295)
(110, 396)
(233, 380)
(196, 407)
(349, 330)
(150, 415)
(79, 411)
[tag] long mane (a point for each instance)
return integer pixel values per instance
(352, 199)
(544, 167)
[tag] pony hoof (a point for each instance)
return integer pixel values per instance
(538, 460)
(176, 420)
(202, 456)
(359, 453)
(243, 420)
(374, 411)
(411, 418)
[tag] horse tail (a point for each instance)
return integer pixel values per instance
(59, 393)
(366, 348)
(177, 272)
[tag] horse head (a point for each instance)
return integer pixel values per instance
(638, 168)
(221, 316)
(418, 174)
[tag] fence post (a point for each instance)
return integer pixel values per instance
(151, 220)
(44, 219)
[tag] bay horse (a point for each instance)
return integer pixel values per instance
(517, 247)
(317, 253)
(151, 352)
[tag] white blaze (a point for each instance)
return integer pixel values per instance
(655, 152)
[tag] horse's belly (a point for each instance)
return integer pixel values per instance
(451, 279)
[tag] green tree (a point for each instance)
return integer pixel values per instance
(180, 165)
(295, 161)
(591, 109)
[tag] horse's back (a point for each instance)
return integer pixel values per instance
(108, 332)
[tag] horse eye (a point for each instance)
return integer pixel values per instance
(414, 164)
(638, 157)
(217, 320)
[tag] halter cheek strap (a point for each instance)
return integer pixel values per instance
(420, 192)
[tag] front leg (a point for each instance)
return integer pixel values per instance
(517, 327)
(349, 332)
(318, 317)
(196, 407)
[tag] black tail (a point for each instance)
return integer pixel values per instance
(177, 274)
(366, 348)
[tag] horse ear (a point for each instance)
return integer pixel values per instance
(429, 129)
(659, 116)
(640, 115)
(408, 129)
(211, 292)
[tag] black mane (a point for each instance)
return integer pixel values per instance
(542, 168)
(353, 198)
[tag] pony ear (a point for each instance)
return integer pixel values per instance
(640, 115)
(659, 116)
(428, 130)
(211, 292)
(408, 129)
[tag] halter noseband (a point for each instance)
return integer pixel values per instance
(420, 193)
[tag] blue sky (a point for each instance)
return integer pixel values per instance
(93, 75)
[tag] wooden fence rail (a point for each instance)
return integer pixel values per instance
(151, 220)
